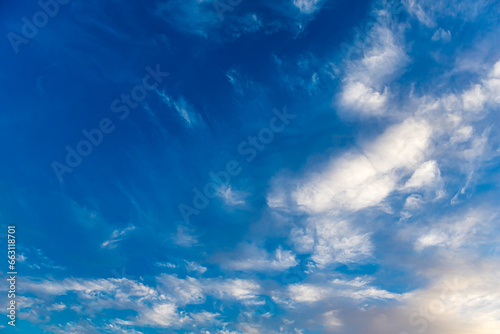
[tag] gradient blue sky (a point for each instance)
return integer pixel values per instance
(371, 208)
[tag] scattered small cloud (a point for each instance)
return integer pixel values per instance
(250, 257)
(183, 109)
(117, 236)
(307, 6)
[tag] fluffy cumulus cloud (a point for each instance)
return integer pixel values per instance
(358, 180)
(361, 97)
(379, 57)
(408, 157)
(425, 175)
(407, 160)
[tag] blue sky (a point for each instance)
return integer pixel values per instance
(240, 167)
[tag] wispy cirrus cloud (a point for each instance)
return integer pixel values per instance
(193, 16)
(183, 109)
(428, 12)
(117, 236)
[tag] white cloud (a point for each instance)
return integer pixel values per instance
(401, 146)
(415, 8)
(307, 6)
(357, 289)
(230, 196)
(165, 265)
(477, 147)
(112, 285)
(360, 180)
(185, 236)
(441, 34)
(212, 19)
(182, 291)
(57, 307)
(331, 319)
(160, 315)
(339, 242)
(193, 266)
(428, 12)
(192, 16)
(462, 140)
(160, 306)
(183, 109)
(454, 232)
(303, 239)
(360, 97)
(474, 99)
(331, 240)
(492, 84)
(35, 258)
(383, 55)
(455, 111)
(352, 182)
(248, 23)
(462, 134)
(413, 202)
(191, 290)
(426, 175)
(204, 317)
(116, 237)
(238, 289)
(462, 300)
(306, 293)
(249, 257)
